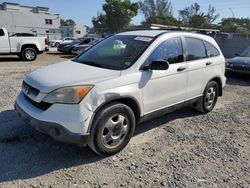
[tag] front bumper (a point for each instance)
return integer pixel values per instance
(56, 131)
(64, 49)
(67, 123)
(237, 71)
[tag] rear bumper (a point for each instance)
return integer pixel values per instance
(56, 131)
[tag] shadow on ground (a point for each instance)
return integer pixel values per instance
(238, 79)
(9, 59)
(27, 153)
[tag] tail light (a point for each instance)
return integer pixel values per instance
(46, 41)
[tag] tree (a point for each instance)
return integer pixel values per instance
(193, 17)
(117, 15)
(235, 25)
(99, 23)
(67, 22)
(158, 12)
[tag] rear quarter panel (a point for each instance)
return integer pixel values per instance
(16, 43)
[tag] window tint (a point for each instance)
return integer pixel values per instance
(195, 49)
(211, 50)
(169, 50)
(1, 32)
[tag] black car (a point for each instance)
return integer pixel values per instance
(68, 47)
(239, 64)
(80, 48)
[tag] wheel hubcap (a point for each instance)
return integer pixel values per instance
(115, 131)
(210, 97)
(29, 54)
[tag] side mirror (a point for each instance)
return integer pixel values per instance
(237, 54)
(156, 65)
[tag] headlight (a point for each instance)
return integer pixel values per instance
(68, 95)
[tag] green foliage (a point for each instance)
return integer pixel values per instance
(192, 16)
(67, 22)
(158, 12)
(236, 25)
(117, 15)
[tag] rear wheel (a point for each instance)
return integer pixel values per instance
(112, 129)
(29, 54)
(209, 99)
(57, 44)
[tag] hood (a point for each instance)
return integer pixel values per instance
(240, 60)
(67, 73)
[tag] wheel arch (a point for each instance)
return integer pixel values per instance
(29, 46)
(131, 102)
(219, 82)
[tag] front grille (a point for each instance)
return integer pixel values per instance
(29, 89)
(42, 105)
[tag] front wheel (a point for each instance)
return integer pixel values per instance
(209, 99)
(112, 129)
(29, 54)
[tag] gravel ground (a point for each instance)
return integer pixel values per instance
(181, 149)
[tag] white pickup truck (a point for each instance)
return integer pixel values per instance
(26, 48)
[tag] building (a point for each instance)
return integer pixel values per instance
(73, 31)
(18, 18)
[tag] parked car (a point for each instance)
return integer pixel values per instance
(26, 47)
(80, 48)
(99, 97)
(68, 47)
(239, 64)
(55, 43)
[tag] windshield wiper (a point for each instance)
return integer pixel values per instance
(92, 64)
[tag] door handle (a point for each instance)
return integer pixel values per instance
(180, 69)
(208, 63)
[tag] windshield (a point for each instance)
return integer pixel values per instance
(117, 52)
(246, 53)
(76, 41)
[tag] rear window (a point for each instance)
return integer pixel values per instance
(195, 49)
(211, 50)
(1, 32)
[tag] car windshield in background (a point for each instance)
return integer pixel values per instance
(246, 53)
(76, 41)
(95, 41)
(117, 52)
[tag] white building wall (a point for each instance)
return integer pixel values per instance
(73, 31)
(28, 22)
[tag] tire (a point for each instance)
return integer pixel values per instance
(57, 44)
(29, 54)
(210, 95)
(112, 129)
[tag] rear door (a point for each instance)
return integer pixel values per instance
(4, 42)
(168, 87)
(200, 66)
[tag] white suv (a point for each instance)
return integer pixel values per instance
(99, 97)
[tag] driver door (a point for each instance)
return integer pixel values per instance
(165, 88)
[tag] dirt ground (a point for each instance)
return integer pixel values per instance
(181, 149)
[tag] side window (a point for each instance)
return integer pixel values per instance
(211, 50)
(169, 50)
(1, 33)
(195, 49)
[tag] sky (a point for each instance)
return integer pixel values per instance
(82, 11)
